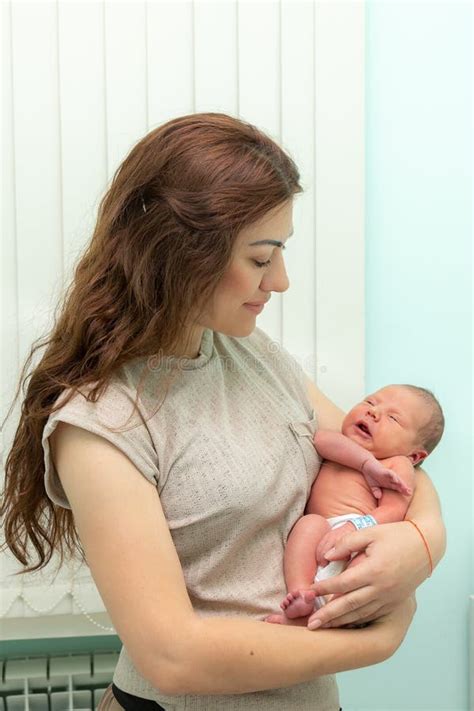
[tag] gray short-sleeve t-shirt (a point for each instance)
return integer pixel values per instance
(230, 452)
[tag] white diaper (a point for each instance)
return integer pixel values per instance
(336, 566)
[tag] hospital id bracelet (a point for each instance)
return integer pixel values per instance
(364, 521)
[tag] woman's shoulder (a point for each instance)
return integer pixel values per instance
(111, 414)
(107, 404)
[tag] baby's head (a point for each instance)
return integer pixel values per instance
(397, 419)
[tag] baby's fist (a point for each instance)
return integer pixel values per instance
(377, 476)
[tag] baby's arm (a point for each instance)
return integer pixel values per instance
(391, 507)
(336, 447)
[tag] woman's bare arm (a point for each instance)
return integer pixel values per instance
(425, 510)
(135, 566)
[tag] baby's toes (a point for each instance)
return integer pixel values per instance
(275, 619)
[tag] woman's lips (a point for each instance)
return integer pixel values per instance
(255, 308)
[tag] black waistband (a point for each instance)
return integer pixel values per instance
(134, 703)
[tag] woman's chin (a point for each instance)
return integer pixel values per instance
(237, 331)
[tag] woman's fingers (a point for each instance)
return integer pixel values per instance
(352, 579)
(379, 612)
(347, 606)
(352, 542)
(361, 615)
(327, 543)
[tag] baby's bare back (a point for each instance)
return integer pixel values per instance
(339, 490)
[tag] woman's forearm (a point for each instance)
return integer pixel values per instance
(219, 655)
(425, 510)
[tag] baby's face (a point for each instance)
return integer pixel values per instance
(387, 423)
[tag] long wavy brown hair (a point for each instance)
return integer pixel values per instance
(163, 239)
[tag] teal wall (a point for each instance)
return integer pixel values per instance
(419, 310)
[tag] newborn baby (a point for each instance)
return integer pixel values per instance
(383, 438)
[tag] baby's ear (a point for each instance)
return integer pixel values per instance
(417, 456)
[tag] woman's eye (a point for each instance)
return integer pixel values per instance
(265, 264)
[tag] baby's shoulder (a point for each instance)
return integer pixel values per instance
(396, 460)
(401, 464)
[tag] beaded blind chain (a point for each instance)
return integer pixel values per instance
(45, 611)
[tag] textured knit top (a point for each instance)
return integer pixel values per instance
(230, 452)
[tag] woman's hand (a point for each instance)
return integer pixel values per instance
(329, 540)
(395, 564)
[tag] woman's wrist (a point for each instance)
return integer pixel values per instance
(425, 543)
(425, 511)
(434, 533)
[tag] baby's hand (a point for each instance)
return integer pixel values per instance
(376, 476)
(329, 540)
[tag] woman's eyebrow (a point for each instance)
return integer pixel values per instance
(274, 242)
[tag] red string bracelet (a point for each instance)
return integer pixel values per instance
(424, 541)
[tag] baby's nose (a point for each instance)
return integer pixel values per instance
(373, 412)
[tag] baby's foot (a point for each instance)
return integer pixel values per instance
(277, 619)
(298, 603)
(284, 620)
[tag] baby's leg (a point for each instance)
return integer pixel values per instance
(299, 562)
(299, 565)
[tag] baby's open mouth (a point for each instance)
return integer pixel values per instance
(363, 428)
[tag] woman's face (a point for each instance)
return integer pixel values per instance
(245, 282)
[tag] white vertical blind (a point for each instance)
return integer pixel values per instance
(298, 325)
(216, 57)
(259, 25)
(37, 171)
(126, 105)
(170, 60)
(82, 104)
(83, 82)
(339, 218)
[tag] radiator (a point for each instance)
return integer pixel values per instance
(55, 683)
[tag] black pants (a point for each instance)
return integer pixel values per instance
(134, 703)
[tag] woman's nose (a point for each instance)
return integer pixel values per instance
(276, 278)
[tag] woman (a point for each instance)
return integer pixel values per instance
(159, 327)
